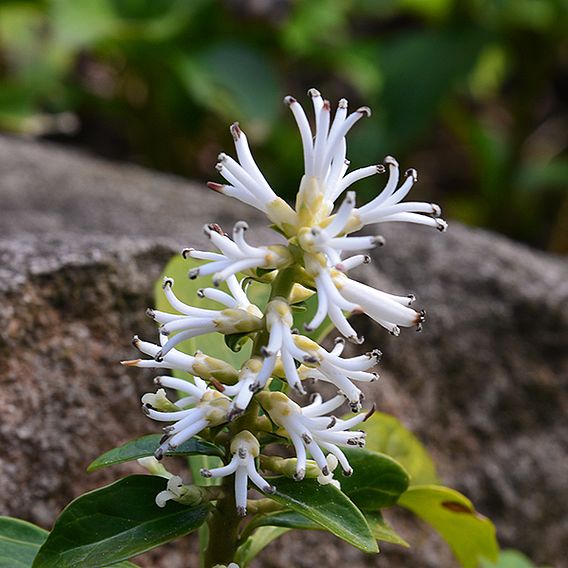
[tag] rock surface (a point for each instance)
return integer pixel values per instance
(485, 385)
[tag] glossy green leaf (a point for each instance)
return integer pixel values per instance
(385, 434)
(377, 481)
(19, 542)
(256, 543)
(147, 445)
(327, 506)
(116, 522)
(293, 520)
(471, 536)
(382, 531)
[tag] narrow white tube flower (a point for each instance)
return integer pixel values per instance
(244, 448)
(324, 150)
(388, 310)
(280, 344)
(211, 410)
(327, 240)
(388, 206)
(247, 183)
(313, 432)
(242, 317)
(319, 364)
(235, 255)
(200, 365)
(243, 391)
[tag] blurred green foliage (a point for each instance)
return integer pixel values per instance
(471, 92)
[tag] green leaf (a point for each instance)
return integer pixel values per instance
(19, 542)
(233, 80)
(327, 506)
(147, 445)
(255, 543)
(471, 536)
(285, 519)
(509, 559)
(385, 434)
(377, 480)
(382, 531)
(293, 520)
(116, 522)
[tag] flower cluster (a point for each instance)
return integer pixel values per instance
(315, 260)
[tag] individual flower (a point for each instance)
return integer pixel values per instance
(239, 316)
(328, 239)
(243, 391)
(247, 184)
(319, 364)
(387, 206)
(209, 410)
(200, 365)
(244, 448)
(309, 430)
(235, 255)
(388, 310)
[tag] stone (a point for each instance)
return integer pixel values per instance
(82, 242)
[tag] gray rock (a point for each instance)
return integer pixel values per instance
(484, 385)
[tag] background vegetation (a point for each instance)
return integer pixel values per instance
(470, 92)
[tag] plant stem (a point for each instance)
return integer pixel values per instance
(224, 522)
(223, 529)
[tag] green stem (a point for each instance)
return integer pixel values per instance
(223, 524)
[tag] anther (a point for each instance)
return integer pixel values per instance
(205, 472)
(342, 103)
(411, 172)
(370, 413)
(168, 282)
(441, 225)
(159, 454)
(241, 226)
(339, 341)
(364, 110)
(201, 293)
(135, 340)
(314, 93)
(241, 511)
(270, 489)
(235, 131)
(436, 211)
(242, 453)
(289, 100)
(193, 273)
(366, 259)
(325, 471)
(379, 240)
(332, 422)
(218, 187)
(312, 359)
(381, 168)
(299, 475)
(186, 253)
(348, 472)
(411, 298)
(390, 161)
(307, 438)
(159, 357)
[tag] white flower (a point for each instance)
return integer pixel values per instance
(247, 184)
(243, 391)
(388, 310)
(235, 255)
(322, 365)
(245, 448)
(209, 410)
(387, 206)
(327, 240)
(309, 430)
(332, 463)
(325, 152)
(175, 490)
(280, 344)
(201, 365)
(240, 316)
